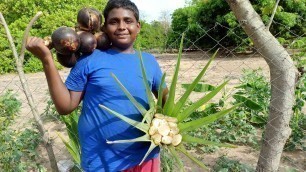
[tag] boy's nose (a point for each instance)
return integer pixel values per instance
(122, 26)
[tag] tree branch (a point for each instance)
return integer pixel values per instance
(272, 16)
(44, 133)
(26, 34)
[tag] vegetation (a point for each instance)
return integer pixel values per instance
(225, 164)
(210, 23)
(241, 126)
(18, 147)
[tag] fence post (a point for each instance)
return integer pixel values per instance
(283, 77)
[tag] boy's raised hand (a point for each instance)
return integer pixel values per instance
(38, 48)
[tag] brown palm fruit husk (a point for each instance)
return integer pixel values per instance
(103, 42)
(88, 42)
(48, 42)
(89, 19)
(65, 40)
(68, 60)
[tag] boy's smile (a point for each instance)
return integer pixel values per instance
(122, 28)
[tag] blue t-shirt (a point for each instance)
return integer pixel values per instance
(92, 74)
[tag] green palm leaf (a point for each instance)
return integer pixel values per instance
(168, 108)
(145, 80)
(141, 109)
(200, 88)
(136, 124)
(176, 157)
(72, 149)
(144, 138)
(160, 95)
(185, 113)
(183, 99)
(152, 146)
(192, 125)
(182, 149)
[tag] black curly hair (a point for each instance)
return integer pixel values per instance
(126, 4)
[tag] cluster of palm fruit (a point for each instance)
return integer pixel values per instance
(164, 130)
(71, 43)
(165, 126)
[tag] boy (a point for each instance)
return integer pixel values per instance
(90, 81)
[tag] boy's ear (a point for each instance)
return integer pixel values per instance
(139, 27)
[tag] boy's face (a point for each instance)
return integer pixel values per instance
(122, 28)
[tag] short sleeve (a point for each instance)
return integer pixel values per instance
(77, 78)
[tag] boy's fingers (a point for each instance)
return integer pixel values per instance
(28, 43)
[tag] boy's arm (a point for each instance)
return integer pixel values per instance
(65, 101)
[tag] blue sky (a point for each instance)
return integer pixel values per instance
(151, 9)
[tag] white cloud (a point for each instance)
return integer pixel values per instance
(151, 9)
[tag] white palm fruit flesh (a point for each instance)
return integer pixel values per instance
(157, 138)
(167, 140)
(176, 139)
(164, 130)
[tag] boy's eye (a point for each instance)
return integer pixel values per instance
(129, 21)
(112, 22)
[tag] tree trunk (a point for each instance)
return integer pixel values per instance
(26, 90)
(283, 77)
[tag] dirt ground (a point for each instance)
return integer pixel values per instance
(224, 67)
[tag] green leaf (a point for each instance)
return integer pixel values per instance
(152, 146)
(132, 122)
(247, 102)
(71, 122)
(258, 119)
(184, 151)
(192, 125)
(169, 105)
(141, 109)
(74, 151)
(183, 99)
(176, 157)
(189, 139)
(185, 113)
(160, 94)
(145, 81)
(148, 116)
(201, 88)
(144, 138)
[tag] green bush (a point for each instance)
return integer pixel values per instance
(9, 107)
(225, 164)
(254, 91)
(232, 128)
(17, 148)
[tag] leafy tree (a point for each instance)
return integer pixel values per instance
(209, 23)
(152, 36)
